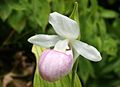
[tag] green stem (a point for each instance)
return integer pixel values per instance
(74, 72)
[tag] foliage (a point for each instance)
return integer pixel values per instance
(99, 27)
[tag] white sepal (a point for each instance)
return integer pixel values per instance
(87, 51)
(64, 26)
(44, 40)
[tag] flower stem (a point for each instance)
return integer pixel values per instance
(74, 72)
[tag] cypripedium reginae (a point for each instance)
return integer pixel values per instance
(58, 62)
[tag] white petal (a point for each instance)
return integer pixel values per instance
(44, 40)
(87, 51)
(64, 26)
(61, 45)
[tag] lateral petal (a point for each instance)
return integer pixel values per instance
(44, 40)
(87, 51)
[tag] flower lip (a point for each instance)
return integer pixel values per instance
(47, 50)
(54, 64)
(67, 53)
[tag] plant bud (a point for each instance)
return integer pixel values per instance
(54, 64)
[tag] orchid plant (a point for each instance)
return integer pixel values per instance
(58, 61)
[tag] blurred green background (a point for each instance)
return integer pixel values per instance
(99, 26)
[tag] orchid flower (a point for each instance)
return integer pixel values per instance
(67, 31)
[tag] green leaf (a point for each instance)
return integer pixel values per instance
(111, 66)
(17, 21)
(94, 5)
(85, 70)
(83, 5)
(108, 13)
(98, 43)
(5, 11)
(110, 46)
(16, 5)
(63, 82)
(117, 69)
(102, 27)
(116, 27)
(74, 15)
(58, 5)
(41, 11)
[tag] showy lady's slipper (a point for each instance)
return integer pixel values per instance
(57, 62)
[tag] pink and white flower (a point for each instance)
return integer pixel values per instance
(57, 62)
